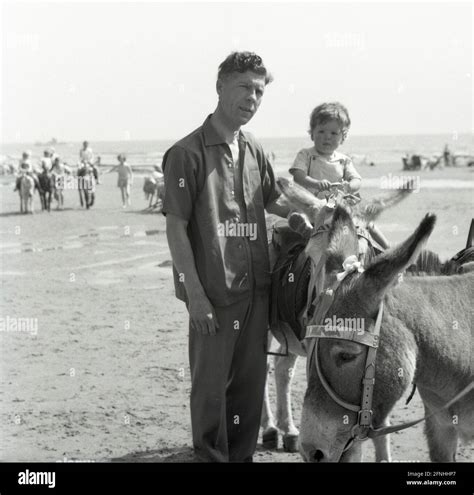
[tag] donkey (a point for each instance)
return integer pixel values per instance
(46, 187)
(425, 337)
(311, 211)
(26, 190)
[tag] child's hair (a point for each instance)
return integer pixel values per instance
(121, 157)
(330, 111)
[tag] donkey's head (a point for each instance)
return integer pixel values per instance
(327, 425)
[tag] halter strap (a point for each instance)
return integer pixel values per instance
(364, 411)
(377, 432)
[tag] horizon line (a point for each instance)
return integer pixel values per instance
(41, 143)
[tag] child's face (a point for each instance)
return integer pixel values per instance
(327, 137)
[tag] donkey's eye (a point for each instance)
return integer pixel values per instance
(346, 357)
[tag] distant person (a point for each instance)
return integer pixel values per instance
(320, 167)
(447, 156)
(59, 172)
(46, 161)
(157, 174)
(125, 179)
(25, 167)
(87, 179)
(154, 184)
(86, 155)
(52, 153)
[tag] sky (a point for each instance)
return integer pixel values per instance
(118, 71)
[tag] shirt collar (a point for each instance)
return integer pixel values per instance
(331, 158)
(212, 135)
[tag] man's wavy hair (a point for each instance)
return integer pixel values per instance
(327, 112)
(243, 62)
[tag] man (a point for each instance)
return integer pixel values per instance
(218, 182)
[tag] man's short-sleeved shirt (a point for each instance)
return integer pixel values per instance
(335, 168)
(223, 203)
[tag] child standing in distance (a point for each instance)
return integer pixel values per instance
(321, 166)
(125, 179)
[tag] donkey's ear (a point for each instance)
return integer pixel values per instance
(387, 267)
(342, 240)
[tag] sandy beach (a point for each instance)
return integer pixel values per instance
(102, 373)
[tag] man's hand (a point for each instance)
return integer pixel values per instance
(202, 316)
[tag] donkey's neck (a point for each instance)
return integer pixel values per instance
(436, 310)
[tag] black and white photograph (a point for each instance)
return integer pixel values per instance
(237, 232)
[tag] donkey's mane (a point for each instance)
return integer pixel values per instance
(428, 263)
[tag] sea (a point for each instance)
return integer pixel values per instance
(383, 152)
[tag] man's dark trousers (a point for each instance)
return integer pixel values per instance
(228, 372)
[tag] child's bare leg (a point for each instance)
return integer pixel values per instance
(127, 192)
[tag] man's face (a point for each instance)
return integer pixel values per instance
(240, 95)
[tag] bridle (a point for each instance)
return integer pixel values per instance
(363, 429)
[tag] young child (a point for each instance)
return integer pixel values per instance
(319, 167)
(125, 179)
(24, 167)
(58, 172)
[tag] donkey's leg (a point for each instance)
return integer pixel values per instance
(382, 445)
(442, 439)
(270, 432)
(284, 371)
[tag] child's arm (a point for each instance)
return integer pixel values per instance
(352, 176)
(313, 185)
(354, 185)
(130, 172)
